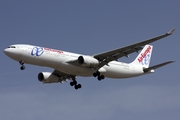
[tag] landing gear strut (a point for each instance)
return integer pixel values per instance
(74, 83)
(98, 75)
(22, 65)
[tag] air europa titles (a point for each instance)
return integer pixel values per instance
(143, 55)
(53, 50)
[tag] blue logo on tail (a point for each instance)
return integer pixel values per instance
(146, 60)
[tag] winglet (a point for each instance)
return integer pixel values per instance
(171, 32)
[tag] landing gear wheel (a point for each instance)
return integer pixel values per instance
(102, 77)
(71, 83)
(22, 67)
(77, 86)
(97, 73)
(74, 83)
(99, 78)
(21, 62)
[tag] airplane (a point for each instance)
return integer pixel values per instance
(68, 65)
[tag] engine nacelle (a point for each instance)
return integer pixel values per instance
(88, 61)
(47, 77)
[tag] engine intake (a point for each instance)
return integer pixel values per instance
(88, 61)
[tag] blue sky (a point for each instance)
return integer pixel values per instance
(90, 27)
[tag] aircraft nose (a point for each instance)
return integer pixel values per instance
(6, 51)
(9, 52)
(12, 53)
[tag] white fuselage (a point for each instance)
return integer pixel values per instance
(57, 60)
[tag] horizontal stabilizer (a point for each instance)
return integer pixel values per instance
(157, 66)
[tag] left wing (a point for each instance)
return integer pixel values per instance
(109, 56)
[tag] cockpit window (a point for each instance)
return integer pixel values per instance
(11, 47)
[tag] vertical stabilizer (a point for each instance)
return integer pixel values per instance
(144, 56)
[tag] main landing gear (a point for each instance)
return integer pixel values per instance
(22, 65)
(74, 83)
(98, 75)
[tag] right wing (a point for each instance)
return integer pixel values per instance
(115, 54)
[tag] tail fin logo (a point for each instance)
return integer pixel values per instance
(145, 56)
(146, 60)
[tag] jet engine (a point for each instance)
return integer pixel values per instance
(88, 61)
(47, 77)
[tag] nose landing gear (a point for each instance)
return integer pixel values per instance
(22, 65)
